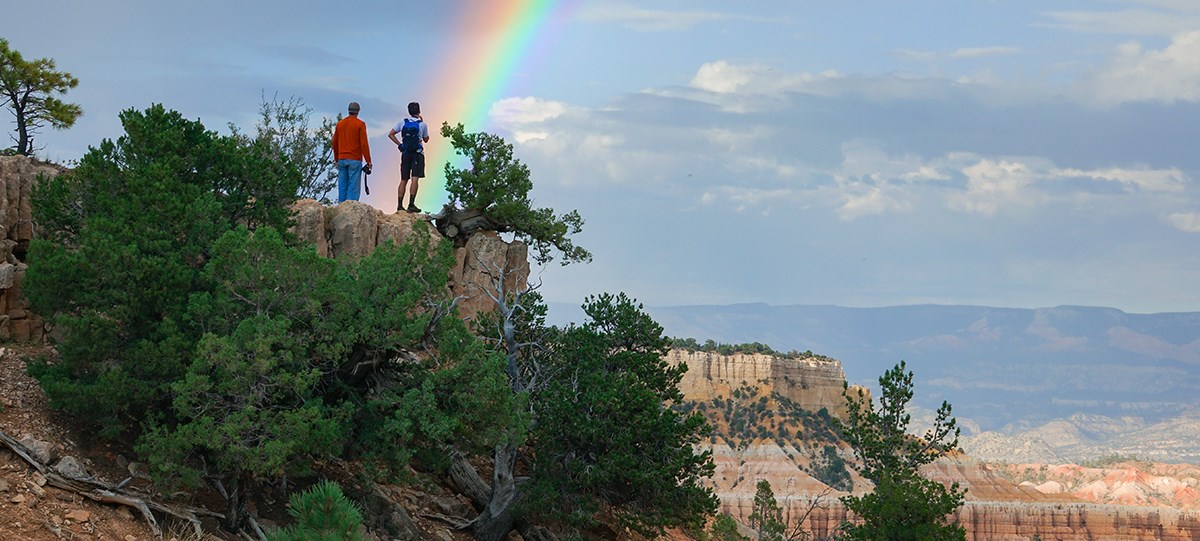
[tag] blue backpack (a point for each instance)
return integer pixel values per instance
(410, 135)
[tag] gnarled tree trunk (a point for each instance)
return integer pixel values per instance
(495, 503)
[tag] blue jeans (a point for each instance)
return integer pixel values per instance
(349, 171)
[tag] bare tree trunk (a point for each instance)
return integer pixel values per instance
(496, 503)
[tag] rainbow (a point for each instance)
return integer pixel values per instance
(493, 41)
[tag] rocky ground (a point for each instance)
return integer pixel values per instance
(30, 510)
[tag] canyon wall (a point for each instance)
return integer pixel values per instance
(997, 507)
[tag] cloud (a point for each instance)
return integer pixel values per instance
(992, 183)
(976, 52)
(755, 138)
(723, 77)
(1138, 74)
(862, 199)
(1184, 221)
(1141, 22)
(521, 116)
(512, 111)
(1152, 180)
(658, 20)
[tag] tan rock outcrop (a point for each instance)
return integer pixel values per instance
(311, 226)
(811, 382)
(353, 229)
(18, 174)
(480, 265)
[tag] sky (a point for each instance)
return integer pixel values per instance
(1011, 153)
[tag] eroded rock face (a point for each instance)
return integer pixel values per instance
(353, 229)
(18, 175)
(997, 507)
(481, 263)
(811, 383)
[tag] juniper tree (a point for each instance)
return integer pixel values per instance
(493, 191)
(124, 240)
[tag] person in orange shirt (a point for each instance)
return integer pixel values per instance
(350, 148)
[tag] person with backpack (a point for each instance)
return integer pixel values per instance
(413, 136)
(350, 148)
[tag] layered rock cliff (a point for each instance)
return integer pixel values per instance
(812, 382)
(997, 507)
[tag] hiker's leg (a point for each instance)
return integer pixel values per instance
(400, 195)
(355, 173)
(418, 171)
(343, 179)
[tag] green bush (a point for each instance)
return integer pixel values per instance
(322, 513)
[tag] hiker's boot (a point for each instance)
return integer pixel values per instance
(413, 208)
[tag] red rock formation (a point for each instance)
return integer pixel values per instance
(1175, 486)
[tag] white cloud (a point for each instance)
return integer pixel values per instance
(1138, 74)
(516, 111)
(1184, 221)
(723, 77)
(657, 19)
(925, 172)
(1153, 180)
(862, 199)
(524, 117)
(991, 184)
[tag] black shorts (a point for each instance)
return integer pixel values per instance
(412, 164)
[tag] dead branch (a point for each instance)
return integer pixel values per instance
(104, 493)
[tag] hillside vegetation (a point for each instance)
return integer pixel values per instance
(194, 326)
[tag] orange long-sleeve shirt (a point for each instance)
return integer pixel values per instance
(350, 140)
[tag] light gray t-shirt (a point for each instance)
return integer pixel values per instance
(424, 131)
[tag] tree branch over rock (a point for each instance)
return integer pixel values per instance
(492, 193)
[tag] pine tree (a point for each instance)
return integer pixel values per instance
(904, 505)
(28, 87)
(766, 517)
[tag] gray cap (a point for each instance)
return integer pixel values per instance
(353, 108)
